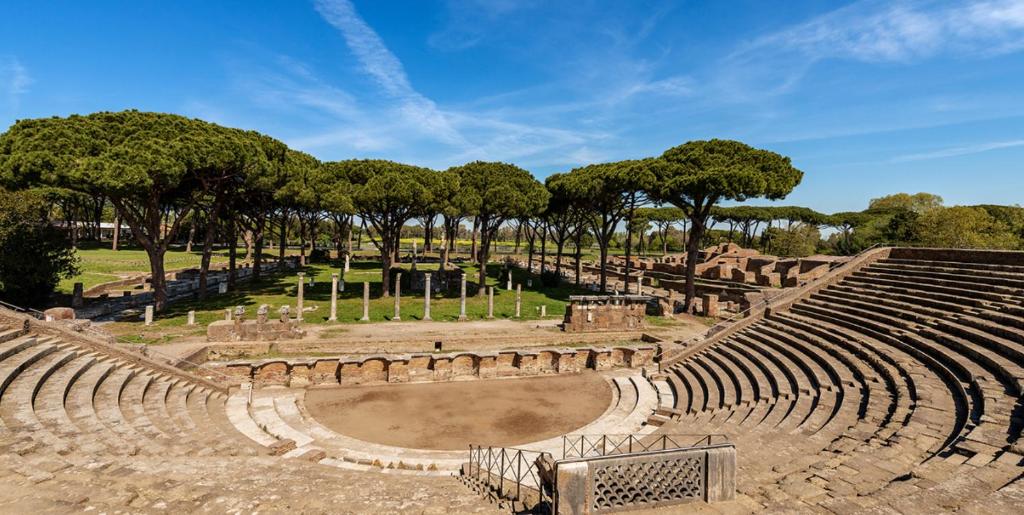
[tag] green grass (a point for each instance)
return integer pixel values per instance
(280, 289)
(101, 265)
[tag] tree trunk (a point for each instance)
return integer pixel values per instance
(284, 240)
(543, 248)
(485, 253)
(157, 280)
(559, 247)
(629, 256)
(204, 261)
(692, 248)
(117, 233)
(257, 257)
(579, 257)
(232, 253)
(302, 240)
(474, 257)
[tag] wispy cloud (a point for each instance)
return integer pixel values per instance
(381, 64)
(960, 150)
(14, 80)
(875, 31)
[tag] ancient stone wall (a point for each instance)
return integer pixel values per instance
(415, 368)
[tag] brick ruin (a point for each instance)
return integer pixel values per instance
(412, 368)
(587, 313)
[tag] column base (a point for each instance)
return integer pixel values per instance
(463, 318)
(396, 319)
(364, 319)
(427, 318)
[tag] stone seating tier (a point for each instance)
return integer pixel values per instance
(883, 390)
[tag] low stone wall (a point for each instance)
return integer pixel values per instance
(414, 368)
(645, 480)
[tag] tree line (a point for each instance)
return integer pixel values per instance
(172, 179)
(163, 174)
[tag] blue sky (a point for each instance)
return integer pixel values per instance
(867, 97)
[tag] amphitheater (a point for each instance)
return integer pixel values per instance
(891, 384)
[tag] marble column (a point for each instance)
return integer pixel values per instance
(347, 257)
(334, 298)
(426, 296)
(519, 299)
(462, 300)
(490, 302)
(366, 302)
(398, 297)
(298, 300)
(191, 318)
(149, 315)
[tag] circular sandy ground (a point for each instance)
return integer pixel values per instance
(451, 416)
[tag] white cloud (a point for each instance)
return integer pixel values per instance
(378, 61)
(14, 80)
(960, 150)
(874, 31)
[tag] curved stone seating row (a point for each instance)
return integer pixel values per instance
(278, 415)
(888, 387)
(80, 402)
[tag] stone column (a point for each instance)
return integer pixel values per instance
(710, 305)
(334, 298)
(298, 300)
(462, 300)
(426, 296)
(77, 299)
(640, 284)
(227, 314)
(366, 302)
(519, 299)
(191, 318)
(508, 284)
(347, 257)
(149, 315)
(490, 302)
(398, 297)
(543, 310)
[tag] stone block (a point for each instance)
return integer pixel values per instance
(487, 367)
(710, 305)
(506, 364)
(272, 373)
(547, 362)
(60, 313)
(325, 371)
(464, 366)
(398, 371)
(419, 368)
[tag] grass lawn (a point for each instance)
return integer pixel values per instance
(280, 290)
(100, 264)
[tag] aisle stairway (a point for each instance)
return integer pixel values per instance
(897, 387)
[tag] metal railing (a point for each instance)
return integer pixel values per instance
(508, 471)
(28, 311)
(767, 301)
(591, 446)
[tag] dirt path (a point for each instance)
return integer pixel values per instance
(419, 336)
(451, 416)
